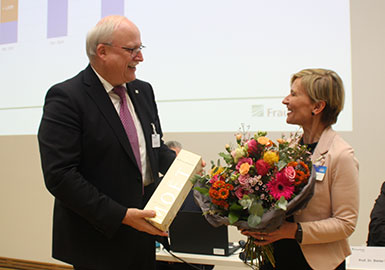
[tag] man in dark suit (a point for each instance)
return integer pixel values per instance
(376, 236)
(99, 177)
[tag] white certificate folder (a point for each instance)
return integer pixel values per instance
(173, 189)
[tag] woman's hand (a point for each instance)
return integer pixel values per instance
(286, 231)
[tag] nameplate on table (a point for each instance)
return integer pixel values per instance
(363, 257)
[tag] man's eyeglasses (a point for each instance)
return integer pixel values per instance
(133, 51)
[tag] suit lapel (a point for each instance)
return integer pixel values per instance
(136, 97)
(323, 146)
(142, 111)
(98, 94)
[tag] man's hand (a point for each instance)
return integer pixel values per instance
(136, 219)
(203, 164)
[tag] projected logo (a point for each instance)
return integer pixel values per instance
(258, 110)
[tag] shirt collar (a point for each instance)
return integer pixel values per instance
(107, 86)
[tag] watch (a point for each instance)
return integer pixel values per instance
(298, 233)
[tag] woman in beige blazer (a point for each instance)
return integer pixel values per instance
(316, 237)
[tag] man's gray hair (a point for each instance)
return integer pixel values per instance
(174, 144)
(102, 33)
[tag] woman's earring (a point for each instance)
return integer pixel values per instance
(312, 113)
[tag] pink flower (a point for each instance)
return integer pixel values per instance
(262, 167)
(281, 177)
(280, 186)
(240, 192)
(253, 180)
(252, 147)
(289, 173)
(243, 179)
(214, 179)
(244, 160)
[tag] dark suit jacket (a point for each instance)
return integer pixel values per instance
(89, 167)
(376, 236)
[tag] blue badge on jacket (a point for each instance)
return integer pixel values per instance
(320, 172)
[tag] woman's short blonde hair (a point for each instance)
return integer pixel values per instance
(323, 85)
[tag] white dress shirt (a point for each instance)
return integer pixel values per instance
(146, 170)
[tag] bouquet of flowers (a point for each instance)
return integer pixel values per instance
(262, 183)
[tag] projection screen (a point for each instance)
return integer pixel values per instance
(213, 64)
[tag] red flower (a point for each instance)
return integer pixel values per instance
(240, 192)
(281, 177)
(262, 167)
(221, 203)
(252, 147)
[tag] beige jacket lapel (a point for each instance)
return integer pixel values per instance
(323, 146)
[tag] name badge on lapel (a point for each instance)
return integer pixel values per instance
(320, 172)
(155, 137)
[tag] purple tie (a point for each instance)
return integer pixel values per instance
(128, 123)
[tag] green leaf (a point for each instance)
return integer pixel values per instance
(235, 212)
(260, 134)
(256, 209)
(204, 191)
(245, 202)
(234, 216)
(246, 147)
(254, 220)
(235, 207)
(282, 203)
(281, 164)
(196, 178)
(228, 158)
